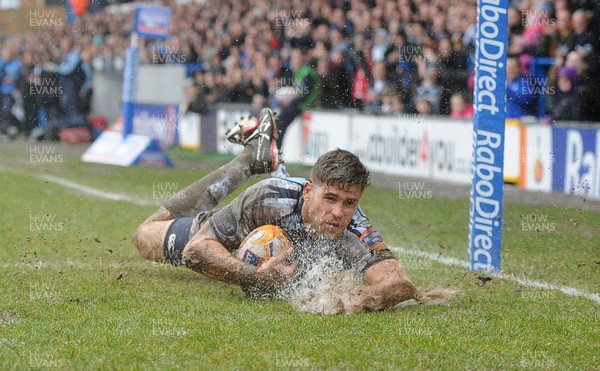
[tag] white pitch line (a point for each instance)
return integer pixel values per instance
(98, 192)
(86, 189)
(570, 291)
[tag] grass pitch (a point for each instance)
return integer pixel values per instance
(76, 295)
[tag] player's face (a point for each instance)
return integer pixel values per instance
(328, 209)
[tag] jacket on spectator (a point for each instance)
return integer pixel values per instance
(72, 78)
(309, 86)
(335, 88)
(360, 85)
(9, 73)
(453, 77)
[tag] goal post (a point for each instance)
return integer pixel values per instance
(489, 100)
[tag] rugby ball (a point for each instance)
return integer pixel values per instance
(262, 244)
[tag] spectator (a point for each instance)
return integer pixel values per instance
(515, 24)
(29, 79)
(562, 39)
(71, 79)
(588, 44)
(519, 91)
(341, 79)
(398, 104)
(376, 89)
(255, 85)
(391, 102)
(429, 89)
(453, 73)
(576, 60)
(459, 107)
(586, 41)
(306, 84)
(236, 41)
(195, 97)
(10, 68)
(360, 88)
(571, 102)
(380, 45)
(538, 24)
(424, 106)
(86, 90)
(334, 91)
(362, 75)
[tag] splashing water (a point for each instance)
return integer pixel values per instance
(325, 279)
(322, 279)
(321, 292)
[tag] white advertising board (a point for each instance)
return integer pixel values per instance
(537, 158)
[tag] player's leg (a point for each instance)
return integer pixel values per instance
(287, 115)
(164, 234)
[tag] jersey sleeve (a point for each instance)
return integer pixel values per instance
(270, 201)
(364, 245)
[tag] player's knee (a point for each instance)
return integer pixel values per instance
(137, 237)
(144, 243)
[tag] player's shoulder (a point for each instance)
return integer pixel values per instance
(292, 184)
(278, 188)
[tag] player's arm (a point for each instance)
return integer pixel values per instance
(210, 251)
(386, 281)
(387, 284)
(206, 255)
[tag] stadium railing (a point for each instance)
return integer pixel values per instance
(539, 71)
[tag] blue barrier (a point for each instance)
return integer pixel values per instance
(539, 70)
(192, 68)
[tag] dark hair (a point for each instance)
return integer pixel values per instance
(341, 168)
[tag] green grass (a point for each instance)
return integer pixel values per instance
(78, 296)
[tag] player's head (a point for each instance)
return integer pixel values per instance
(331, 196)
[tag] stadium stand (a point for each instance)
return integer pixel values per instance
(407, 56)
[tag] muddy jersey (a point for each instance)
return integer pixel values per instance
(278, 201)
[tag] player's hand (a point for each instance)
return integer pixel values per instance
(353, 302)
(350, 303)
(277, 271)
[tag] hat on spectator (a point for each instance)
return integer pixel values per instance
(569, 73)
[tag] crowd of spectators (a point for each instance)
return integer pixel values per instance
(380, 56)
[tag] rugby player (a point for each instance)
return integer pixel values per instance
(188, 229)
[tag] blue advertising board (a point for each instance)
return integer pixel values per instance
(157, 121)
(152, 22)
(576, 161)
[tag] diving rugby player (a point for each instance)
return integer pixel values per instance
(189, 230)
